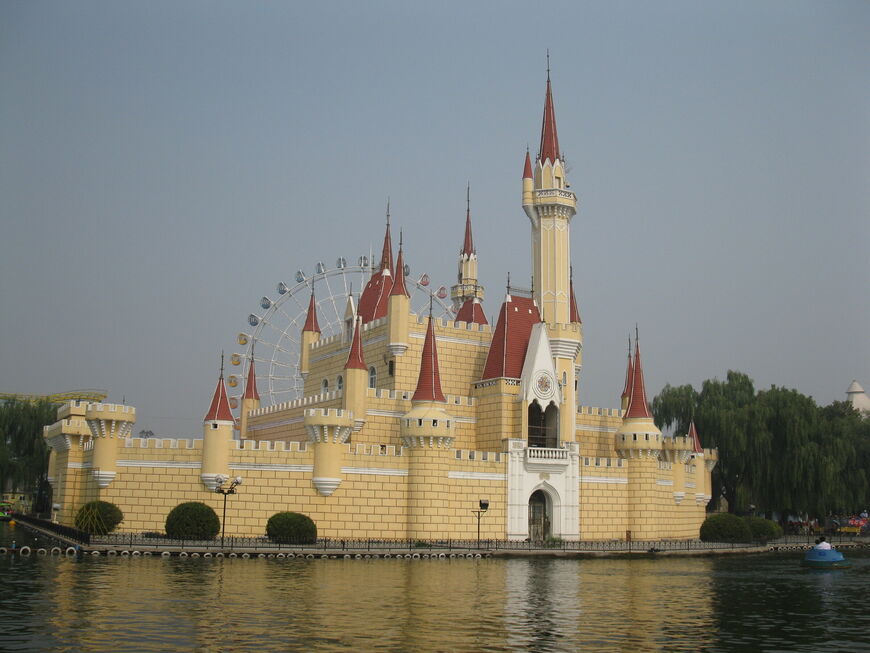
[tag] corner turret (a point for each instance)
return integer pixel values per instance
(374, 298)
(250, 399)
(399, 309)
(467, 287)
(217, 433)
(638, 436)
(310, 335)
(356, 376)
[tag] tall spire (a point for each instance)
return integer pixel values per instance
(429, 381)
(399, 283)
(355, 360)
(219, 411)
(311, 317)
(387, 251)
(629, 373)
(638, 406)
(468, 243)
(549, 137)
(251, 381)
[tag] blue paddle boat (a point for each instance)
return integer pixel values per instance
(824, 559)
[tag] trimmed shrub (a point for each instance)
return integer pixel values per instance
(291, 528)
(725, 527)
(192, 521)
(98, 517)
(763, 529)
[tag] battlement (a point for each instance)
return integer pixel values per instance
(443, 323)
(479, 456)
(600, 461)
(298, 403)
(328, 412)
(121, 410)
(270, 445)
(338, 337)
(70, 425)
(681, 442)
(74, 407)
(405, 395)
(599, 412)
(162, 443)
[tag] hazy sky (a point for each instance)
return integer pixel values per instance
(164, 164)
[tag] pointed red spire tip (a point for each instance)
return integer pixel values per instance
(311, 318)
(399, 283)
(629, 375)
(575, 314)
(527, 168)
(429, 381)
(693, 436)
(468, 242)
(251, 384)
(219, 411)
(355, 360)
(638, 406)
(549, 136)
(387, 251)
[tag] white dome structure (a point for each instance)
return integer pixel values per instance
(858, 398)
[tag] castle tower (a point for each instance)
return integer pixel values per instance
(427, 432)
(108, 424)
(467, 287)
(373, 302)
(251, 397)
(550, 207)
(217, 433)
(640, 440)
(399, 309)
(356, 378)
(310, 335)
(629, 374)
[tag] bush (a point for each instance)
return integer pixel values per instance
(291, 528)
(725, 527)
(98, 517)
(763, 529)
(192, 521)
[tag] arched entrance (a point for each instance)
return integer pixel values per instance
(540, 516)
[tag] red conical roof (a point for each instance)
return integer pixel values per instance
(219, 411)
(375, 296)
(637, 405)
(399, 284)
(311, 318)
(575, 314)
(471, 312)
(251, 384)
(510, 338)
(429, 381)
(355, 360)
(549, 137)
(527, 168)
(693, 436)
(629, 373)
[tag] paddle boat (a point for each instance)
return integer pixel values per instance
(824, 559)
(5, 511)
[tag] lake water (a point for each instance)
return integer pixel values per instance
(760, 602)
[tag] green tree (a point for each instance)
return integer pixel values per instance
(23, 451)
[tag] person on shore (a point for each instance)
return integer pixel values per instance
(823, 544)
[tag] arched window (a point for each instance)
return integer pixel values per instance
(339, 382)
(373, 377)
(324, 386)
(543, 425)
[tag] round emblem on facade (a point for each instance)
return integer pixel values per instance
(544, 384)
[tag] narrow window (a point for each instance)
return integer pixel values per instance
(339, 382)
(373, 377)
(324, 386)
(391, 368)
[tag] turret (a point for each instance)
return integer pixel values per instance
(217, 433)
(467, 286)
(310, 335)
(629, 373)
(108, 424)
(638, 436)
(427, 433)
(251, 398)
(356, 375)
(399, 309)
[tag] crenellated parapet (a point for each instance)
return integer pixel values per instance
(107, 423)
(332, 425)
(677, 449)
(638, 441)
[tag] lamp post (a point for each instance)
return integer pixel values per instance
(484, 506)
(220, 489)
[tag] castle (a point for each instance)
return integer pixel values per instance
(427, 419)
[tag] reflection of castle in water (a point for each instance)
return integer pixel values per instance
(407, 420)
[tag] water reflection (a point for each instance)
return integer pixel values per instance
(676, 604)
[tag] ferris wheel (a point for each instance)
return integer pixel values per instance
(274, 332)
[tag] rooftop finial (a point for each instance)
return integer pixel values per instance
(388, 211)
(222, 363)
(548, 64)
(468, 197)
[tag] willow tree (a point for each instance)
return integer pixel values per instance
(23, 452)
